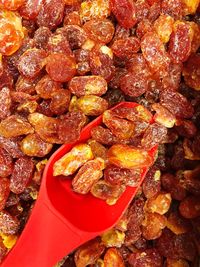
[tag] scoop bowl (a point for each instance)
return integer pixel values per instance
(62, 220)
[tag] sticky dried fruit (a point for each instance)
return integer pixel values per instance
(73, 160)
(159, 203)
(113, 258)
(5, 103)
(125, 156)
(88, 174)
(149, 257)
(21, 175)
(4, 191)
(190, 207)
(152, 184)
(163, 116)
(191, 72)
(163, 27)
(8, 224)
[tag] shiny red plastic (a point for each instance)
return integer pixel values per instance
(62, 220)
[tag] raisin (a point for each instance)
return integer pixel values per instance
(45, 127)
(143, 27)
(160, 203)
(41, 37)
(89, 252)
(11, 32)
(35, 59)
(26, 85)
(99, 30)
(98, 149)
(101, 62)
(191, 71)
(82, 59)
(79, 154)
(12, 5)
(190, 207)
(164, 27)
(177, 104)
(176, 263)
(154, 52)
(180, 42)
(148, 257)
(121, 128)
(21, 175)
(113, 238)
(57, 43)
(3, 250)
(133, 85)
(94, 9)
(11, 145)
(125, 12)
(51, 13)
(30, 9)
(5, 103)
(8, 224)
(6, 164)
(151, 185)
(177, 224)
(107, 192)
(88, 85)
(152, 225)
(4, 191)
(87, 175)
(172, 79)
(70, 126)
(142, 10)
(113, 258)
(126, 48)
(60, 101)
(15, 126)
(60, 67)
(46, 87)
(190, 7)
(173, 8)
(103, 135)
(73, 18)
(32, 145)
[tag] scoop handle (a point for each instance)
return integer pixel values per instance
(41, 244)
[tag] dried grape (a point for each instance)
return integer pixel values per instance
(8, 224)
(4, 191)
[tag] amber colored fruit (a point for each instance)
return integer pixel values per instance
(8, 224)
(126, 48)
(196, 36)
(173, 78)
(163, 116)
(33, 146)
(41, 37)
(113, 258)
(101, 62)
(125, 12)
(138, 64)
(98, 149)
(35, 59)
(191, 72)
(94, 9)
(173, 8)
(148, 257)
(73, 160)
(103, 190)
(4, 191)
(30, 9)
(91, 105)
(21, 175)
(11, 32)
(60, 101)
(3, 250)
(190, 207)
(133, 85)
(46, 87)
(152, 225)
(5, 103)
(177, 224)
(46, 127)
(190, 7)
(99, 30)
(73, 18)
(180, 42)
(89, 252)
(152, 184)
(121, 128)
(176, 103)
(26, 85)
(88, 85)
(11, 5)
(125, 156)
(6, 163)
(176, 263)
(57, 43)
(11, 145)
(82, 60)
(164, 27)
(15, 126)
(159, 203)
(60, 67)
(70, 126)
(87, 175)
(159, 60)
(51, 13)
(143, 27)
(103, 135)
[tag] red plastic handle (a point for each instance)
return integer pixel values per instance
(42, 224)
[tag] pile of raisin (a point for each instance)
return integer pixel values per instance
(65, 62)
(116, 156)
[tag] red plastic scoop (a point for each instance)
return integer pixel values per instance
(62, 220)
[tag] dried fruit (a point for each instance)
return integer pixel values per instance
(152, 184)
(4, 191)
(148, 257)
(8, 224)
(103, 135)
(33, 146)
(176, 263)
(30, 9)
(5, 103)
(191, 72)
(88, 85)
(46, 87)
(88, 174)
(113, 238)
(125, 12)
(113, 258)
(163, 116)
(125, 156)
(159, 203)
(6, 163)
(190, 207)
(73, 160)
(163, 27)
(21, 175)
(177, 224)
